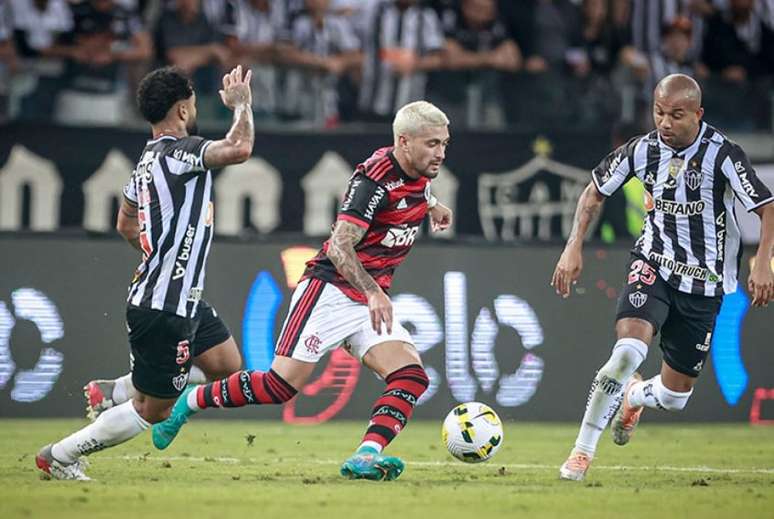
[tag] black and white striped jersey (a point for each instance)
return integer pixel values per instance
(172, 190)
(389, 29)
(690, 230)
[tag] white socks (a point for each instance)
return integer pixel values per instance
(114, 426)
(652, 393)
(606, 391)
(123, 390)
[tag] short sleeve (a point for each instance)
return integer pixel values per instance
(130, 192)
(614, 170)
(191, 151)
(748, 188)
(364, 198)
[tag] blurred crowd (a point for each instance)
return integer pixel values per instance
(321, 63)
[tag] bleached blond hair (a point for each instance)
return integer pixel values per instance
(413, 117)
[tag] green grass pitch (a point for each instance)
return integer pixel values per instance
(261, 469)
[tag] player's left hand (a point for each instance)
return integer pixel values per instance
(440, 218)
(761, 283)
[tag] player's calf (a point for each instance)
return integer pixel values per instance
(654, 394)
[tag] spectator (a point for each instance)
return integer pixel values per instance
(402, 42)
(324, 45)
(558, 45)
(674, 55)
(254, 43)
(478, 49)
(191, 42)
(37, 26)
(739, 45)
(104, 38)
(648, 17)
(477, 39)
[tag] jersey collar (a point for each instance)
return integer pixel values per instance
(395, 164)
(688, 149)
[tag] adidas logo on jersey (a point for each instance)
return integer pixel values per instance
(402, 204)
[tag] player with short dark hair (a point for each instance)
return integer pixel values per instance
(342, 297)
(685, 260)
(167, 214)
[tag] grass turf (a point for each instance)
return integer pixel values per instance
(261, 469)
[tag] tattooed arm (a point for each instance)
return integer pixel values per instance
(571, 262)
(238, 144)
(127, 224)
(341, 251)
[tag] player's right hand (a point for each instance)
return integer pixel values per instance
(761, 284)
(236, 89)
(380, 308)
(567, 271)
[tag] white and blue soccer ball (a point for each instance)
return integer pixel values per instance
(472, 432)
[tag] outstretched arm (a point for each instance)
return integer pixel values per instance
(571, 262)
(238, 144)
(761, 280)
(341, 251)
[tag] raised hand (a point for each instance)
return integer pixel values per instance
(236, 89)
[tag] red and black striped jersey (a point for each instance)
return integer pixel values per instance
(391, 206)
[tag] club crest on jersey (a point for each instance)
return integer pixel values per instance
(180, 381)
(637, 299)
(693, 179)
(312, 344)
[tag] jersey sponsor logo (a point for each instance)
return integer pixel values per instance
(693, 179)
(705, 346)
(144, 170)
(678, 208)
(373, 203)
(395, 184)
(720, 235)
(195, 295)
(400, 237)
(746, 184)
(184, 156)
(637, 299)
(185, 253)
(611, 167)
(354, 183)
(683, 269)
(245, 383)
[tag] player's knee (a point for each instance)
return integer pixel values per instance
(668, 399)
(414, 373)
(627, 355)
(153, 414)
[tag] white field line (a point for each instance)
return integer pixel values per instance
(456, 464)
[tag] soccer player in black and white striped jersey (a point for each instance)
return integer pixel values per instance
(167, 215)
(685, 260)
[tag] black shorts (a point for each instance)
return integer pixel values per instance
(686, 321)
(163, 346)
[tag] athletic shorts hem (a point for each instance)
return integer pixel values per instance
(635, 314)
(677, 368)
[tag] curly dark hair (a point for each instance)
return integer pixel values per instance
(160, 90)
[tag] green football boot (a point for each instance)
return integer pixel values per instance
(369, 464)
(163, 433)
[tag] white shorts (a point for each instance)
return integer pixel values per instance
(321, 318)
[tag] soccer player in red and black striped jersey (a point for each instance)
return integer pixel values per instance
(342, 297)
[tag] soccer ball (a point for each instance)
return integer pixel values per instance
(472, 432)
